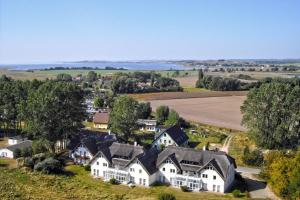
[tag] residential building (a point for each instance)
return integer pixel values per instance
(125, 163)
(16, 139)
(8, 151)
(85, 145)
(199, 170)
(173, 135)
(147, 124)
(101, 120)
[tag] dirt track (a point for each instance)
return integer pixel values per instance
(221, 111)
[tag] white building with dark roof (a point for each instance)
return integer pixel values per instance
(173, 135)
(8, 152)
(199, 170)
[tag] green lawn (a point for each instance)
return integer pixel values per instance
(17, 184)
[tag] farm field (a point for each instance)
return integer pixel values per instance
(18, 184)
(220, 111)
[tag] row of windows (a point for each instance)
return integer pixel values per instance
(104, 164)
(171, 170)
(206, 176)
(132, 170)
(165, 141)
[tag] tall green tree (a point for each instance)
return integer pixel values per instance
(162, 113)
(91, 76)
(173, 118)
(144, 110)
(98, 102)
(123, 118)
(272, 115)
(54, 111)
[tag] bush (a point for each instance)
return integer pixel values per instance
(28, 162)
(87, 168)
(236, 193)
(113, 181)
(184, 188)
(49, 166)
(253, 158)
(17, 153)
(26, 152)
(166, 196)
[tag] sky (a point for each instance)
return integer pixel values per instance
(35, 31)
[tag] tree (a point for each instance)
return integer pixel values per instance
(91, 76)
(144, 110)
(98, 102)
(162, 113)
(272, 114)
(64, 77)
(173, 118)
(54, 111)
(123, 118)
(252, 158)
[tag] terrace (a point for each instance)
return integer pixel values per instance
(120, 175)
(193, 183)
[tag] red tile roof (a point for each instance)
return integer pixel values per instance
(101, 118)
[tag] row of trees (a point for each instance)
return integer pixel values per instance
(140, 82)
(44, 110)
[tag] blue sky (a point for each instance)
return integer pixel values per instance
(34, 31)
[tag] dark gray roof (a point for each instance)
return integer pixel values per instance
(148, 160)
(176, 133)
(24, 144)
(218, 159)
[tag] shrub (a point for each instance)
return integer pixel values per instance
(184, 188)
(253, 158)
(17, 153)
(87, 168)
(26, 152)
(166, 196)
(236, 193)
(28, 162)
(49, 166)
(113, 181)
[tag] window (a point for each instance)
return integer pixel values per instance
(204, 175)
(131, 169)
(165, 141)
(97, 163)
(140, 181)
(214, 187)
(104, 164)
(97, 172)
(165, 135)
(164, 169)
(214, 177)
(140, 171)
(218, 188)
(169, 141)
(94, 172)
(172, 170)
(144, 181)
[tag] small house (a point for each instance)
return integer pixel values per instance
(101, 120)
(16, 140)
(8, 152)
(147, 124)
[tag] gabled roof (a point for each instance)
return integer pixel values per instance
(24, 144)
(176, 133)
(101, 118)
(218, 159)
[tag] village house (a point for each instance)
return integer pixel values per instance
(8, 152)
(198, 170)
(16, 139)
(85, 145)
(101, 120)
(147, 124)
(173, 135)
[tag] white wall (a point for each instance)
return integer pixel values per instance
(164, 172)
(164, 139)
(98, 166)
(141, 177)
(6, 153)
(210, 181)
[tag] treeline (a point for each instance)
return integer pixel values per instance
(43, 110)
(141, 82)
(83, 68)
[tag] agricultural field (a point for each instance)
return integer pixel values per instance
(222, 111)
(78, 184)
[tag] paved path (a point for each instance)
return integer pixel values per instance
(226, 144)
(248, 170)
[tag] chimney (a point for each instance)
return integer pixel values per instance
(204, 148)
(109, 132)
(135, 143)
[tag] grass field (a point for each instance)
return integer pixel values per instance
(17, 184)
